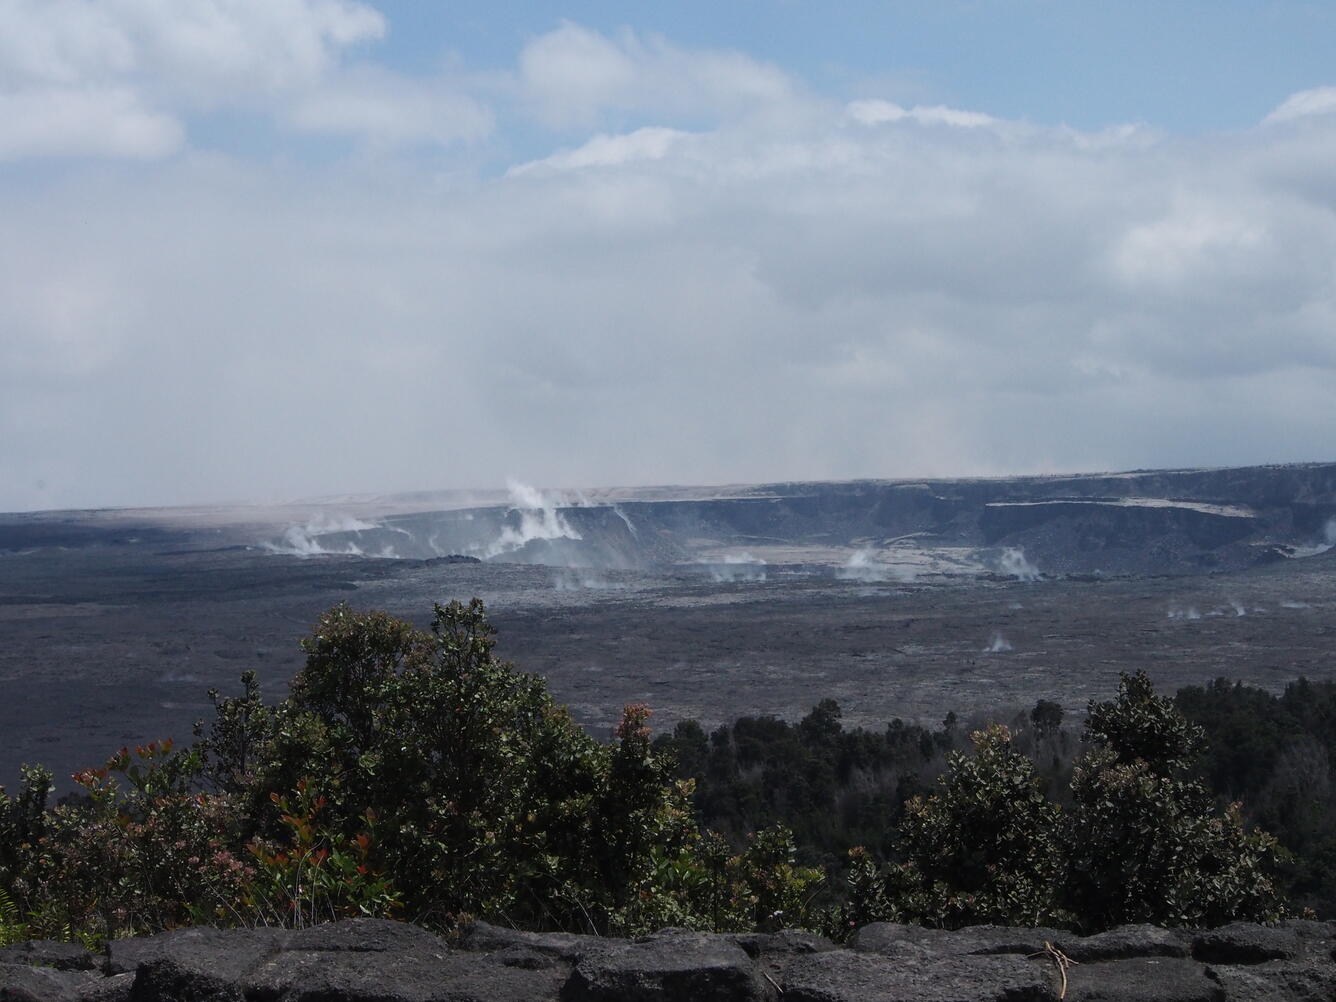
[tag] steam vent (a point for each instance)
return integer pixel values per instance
(897, 599)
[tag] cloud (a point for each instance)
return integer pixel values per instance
(63, 122)
(122, 78)
(213, 50)
(385, 110)
(878, 112)
(1318, 101)
(688, 287)
(573, 75)
(602, 150)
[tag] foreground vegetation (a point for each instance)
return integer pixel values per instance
(410, 773)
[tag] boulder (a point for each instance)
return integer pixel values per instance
(483, 937)
(522, 956)
(891, 939)
(785, 943)
(376, 960)
(1144, 979)
(774, 952)
(667, 967)
(115, 988)
(1124, 943)
(392, 976)
(21, 983)
(844, 976)
(225, 953)
(1310, 929)
(364, 935)
(164, 979)
(1244, 943)
(1276, 981)
(49, 953)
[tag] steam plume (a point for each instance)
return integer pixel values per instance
(1190, 612)
(539, 519)
(863, 566)
(1327, 542)
(738, 567)
(304, 540)
(1013, 562)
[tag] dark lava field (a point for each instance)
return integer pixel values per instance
(896, 598)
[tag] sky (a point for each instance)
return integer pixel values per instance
(277, 249)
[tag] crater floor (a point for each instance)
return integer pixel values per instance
(113, 626)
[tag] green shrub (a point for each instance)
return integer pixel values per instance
(495, 801)
(411, 773)
(1143, 844)
(1140, 841)
(984, 847)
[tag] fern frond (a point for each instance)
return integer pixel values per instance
(11, 929)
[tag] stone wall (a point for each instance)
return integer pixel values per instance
(367, 960)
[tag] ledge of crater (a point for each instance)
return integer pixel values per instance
(372, 960)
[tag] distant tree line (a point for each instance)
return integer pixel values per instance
(839, 788)
(410, 773)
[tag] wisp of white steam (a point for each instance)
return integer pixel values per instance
(863, 566)
(304, 540)
(539, 519)
(738, 567)
(1013, 562)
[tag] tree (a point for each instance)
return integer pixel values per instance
(492, 800)
(1142, 842)
(1046, 717)
(983, 847)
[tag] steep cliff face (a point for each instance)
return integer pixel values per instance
(1147, 522)
(367, 959)
(1160, 522)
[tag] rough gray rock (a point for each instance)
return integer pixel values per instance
(115, 988)
(226, 953)
(367, 960)
(843, 976)
(389, 976)
(164, 979)
(21, 983)
(364, 935)
(774, 953)
(1146, 979)
(483, 937)
(668, 967)
(49, 953)
(373, 960)
(1242, 943)
(1124, 943)
(1310, 929)
(892, 939)
(785, 943)
(1276, 981)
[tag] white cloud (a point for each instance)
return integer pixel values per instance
(1318, 101)
(574, 75)
(213, 51)
(879, 112)
(61, 122)
(649, 143)
(791, 289)
(386, 110)
(122, 77)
